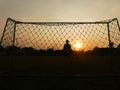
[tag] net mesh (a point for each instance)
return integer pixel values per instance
(44, 35)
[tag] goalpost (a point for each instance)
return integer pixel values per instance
(44, 35)
(83, 36)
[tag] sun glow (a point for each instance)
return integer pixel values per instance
(78, 46)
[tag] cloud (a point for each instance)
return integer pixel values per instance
(56, 9)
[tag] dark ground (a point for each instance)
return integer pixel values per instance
(60, 83)
(52, 72)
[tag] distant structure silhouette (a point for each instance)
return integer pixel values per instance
(118, 46)
(67, 50)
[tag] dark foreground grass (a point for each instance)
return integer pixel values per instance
(14, 71)
(57, 65)
(60, 83)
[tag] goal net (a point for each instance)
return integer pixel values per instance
(44, 35)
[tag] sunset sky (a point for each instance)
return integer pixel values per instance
(58, 10)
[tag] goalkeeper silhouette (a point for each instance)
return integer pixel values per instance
(67, 50)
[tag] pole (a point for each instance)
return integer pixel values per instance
(4, 32)
(108, 35)
(14, 34)
(118, 24)
(13, 49)
(110, 48)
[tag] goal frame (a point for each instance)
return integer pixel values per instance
(107, 22)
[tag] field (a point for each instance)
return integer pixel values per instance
(57, 65)
(52, 72)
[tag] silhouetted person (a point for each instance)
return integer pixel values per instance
(67, 50)
(111, 45)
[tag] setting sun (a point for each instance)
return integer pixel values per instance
(77, 46)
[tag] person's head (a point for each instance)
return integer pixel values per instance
(111, 44)
(67, 41)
